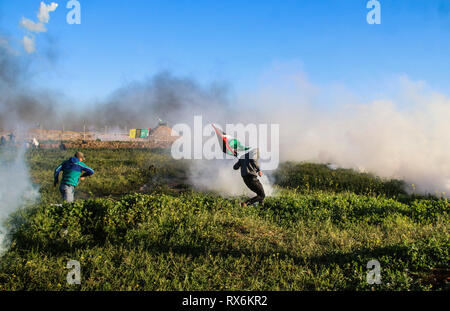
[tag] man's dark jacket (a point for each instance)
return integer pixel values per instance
(248, 166)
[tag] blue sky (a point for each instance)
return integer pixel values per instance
(234, 42)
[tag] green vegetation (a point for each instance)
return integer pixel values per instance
(307, 176)
(117, 172)
(318, 233)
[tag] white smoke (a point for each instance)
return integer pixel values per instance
(404, 133)
(219, 176)
(16, 189)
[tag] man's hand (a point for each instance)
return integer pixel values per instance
(260, 173)
(82, 178)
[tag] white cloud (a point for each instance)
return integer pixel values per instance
(32, 26)
(36, 27)
(29, 44)
(44, 11)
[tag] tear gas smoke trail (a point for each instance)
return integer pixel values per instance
(16, 189)
(219, 176)
(404, 135)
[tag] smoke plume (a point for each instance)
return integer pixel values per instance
(20, 103)
(219, 176)
(402, 134)
(16, 189)
(162, 96)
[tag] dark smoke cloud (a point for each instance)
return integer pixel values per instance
(138, 104)
(163, 96)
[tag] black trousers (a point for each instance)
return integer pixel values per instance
(254, 185)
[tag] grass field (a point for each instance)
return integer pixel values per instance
(138, 225)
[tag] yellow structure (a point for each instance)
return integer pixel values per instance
(133, 133)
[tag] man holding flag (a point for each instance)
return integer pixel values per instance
(250, 172)
(247, 163)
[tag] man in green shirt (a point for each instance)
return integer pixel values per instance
(73, 170)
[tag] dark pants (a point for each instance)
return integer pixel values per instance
(255, 185)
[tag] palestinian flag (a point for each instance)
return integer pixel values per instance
(230, 145)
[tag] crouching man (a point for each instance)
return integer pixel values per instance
(73, 170)
(249, 173)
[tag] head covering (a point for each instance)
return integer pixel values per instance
(80, 155)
